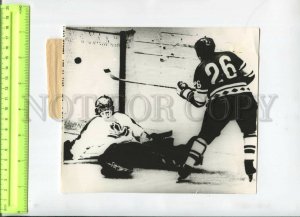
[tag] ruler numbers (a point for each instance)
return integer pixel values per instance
(14, 113)
(5, 67)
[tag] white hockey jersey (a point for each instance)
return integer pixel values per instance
(99, 133)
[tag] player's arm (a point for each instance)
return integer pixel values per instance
(138, 132)
(244, 71)
(74, 147)
(248, 77)
(196, 97)
(86, 137)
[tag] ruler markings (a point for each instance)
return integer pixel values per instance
(10, 104)
(14, 115)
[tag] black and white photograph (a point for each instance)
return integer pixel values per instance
(160, 110)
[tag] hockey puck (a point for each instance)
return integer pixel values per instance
(106, 70)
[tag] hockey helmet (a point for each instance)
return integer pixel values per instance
(205, 47)
(104, 106)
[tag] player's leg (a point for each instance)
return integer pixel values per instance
(197, 150)
(179, 154)
(162, 142)
(250, 146)
(194, 156)
(116, 160)
(156, 154)
(173, 156)
(216, 117)
(119, 160)
(246, 118)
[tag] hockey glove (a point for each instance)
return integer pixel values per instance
(183, 90)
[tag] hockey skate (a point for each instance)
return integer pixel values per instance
(249, 169)
(199, 161)
(184, 172)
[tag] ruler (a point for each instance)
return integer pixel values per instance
(14, 113)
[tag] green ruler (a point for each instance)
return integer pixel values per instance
(14, 113)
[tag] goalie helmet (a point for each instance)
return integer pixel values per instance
(104, 106)
(205, 47)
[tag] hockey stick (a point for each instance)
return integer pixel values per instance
(135, 82)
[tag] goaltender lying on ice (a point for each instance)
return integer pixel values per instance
(120, 144)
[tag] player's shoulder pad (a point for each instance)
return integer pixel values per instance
(121, 115)
(200, 68)
(124, 117)
(88, 123)
(228, 53)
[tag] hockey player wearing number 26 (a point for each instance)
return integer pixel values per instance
(222, 81)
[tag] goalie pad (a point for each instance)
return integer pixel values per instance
(114, 170)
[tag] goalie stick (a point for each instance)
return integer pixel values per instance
(135, 82)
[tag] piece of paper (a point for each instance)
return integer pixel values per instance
(169, 110)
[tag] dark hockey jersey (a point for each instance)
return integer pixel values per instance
(222, 75)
